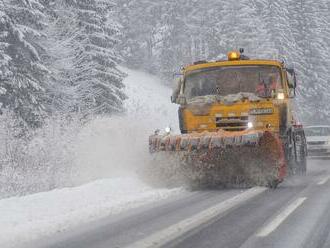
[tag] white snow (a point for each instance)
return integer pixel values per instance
(26, 218)
(123, 140)
(109, 150)
(149, 101)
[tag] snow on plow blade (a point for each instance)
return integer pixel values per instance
(220, 158)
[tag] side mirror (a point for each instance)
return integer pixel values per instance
(177, 89)
(292, 82)
(173, 99)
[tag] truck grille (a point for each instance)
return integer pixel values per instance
(236, 123)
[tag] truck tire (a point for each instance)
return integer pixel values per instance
(301, 152)
(290, 155)
(302, 162)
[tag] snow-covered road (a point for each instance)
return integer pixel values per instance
(295, 215)
(109, 151)
(30, 217)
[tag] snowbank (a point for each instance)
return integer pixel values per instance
(27, 218)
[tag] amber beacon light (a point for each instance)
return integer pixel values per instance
(234, 55)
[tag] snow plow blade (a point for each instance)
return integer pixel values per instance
(212, 159)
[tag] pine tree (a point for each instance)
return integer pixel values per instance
(142, 37)
(23, 80)
(317, 89)
(5, 27)
(61, 33)
(241, 26)
(96, 79)
(174, 35)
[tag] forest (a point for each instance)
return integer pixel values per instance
(61, 57)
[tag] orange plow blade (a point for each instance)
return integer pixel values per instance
(220, 158)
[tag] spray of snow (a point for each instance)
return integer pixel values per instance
(67, 153)
(102, 157)
(38, 161)
(118, 146)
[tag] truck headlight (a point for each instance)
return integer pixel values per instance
(168, 130)
(280, 96)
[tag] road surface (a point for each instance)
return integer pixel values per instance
(296, 214)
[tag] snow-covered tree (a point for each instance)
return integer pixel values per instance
(63, 55)
(173, 37)
(316, 90)
(23, 80)
(239, 26)
(6, 26)
(141, 28)
(95, 78)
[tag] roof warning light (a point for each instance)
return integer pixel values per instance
(234, 55)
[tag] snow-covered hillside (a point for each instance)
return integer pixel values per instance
(109, 152)
(149, 101)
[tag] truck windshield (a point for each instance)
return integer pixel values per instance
(261, 80)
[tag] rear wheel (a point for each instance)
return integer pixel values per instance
(300, 154)
(302, 164)
(290, 154)
(296, 152)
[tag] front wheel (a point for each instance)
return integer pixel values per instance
(273, 183)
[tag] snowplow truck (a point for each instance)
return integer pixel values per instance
(237, 124)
